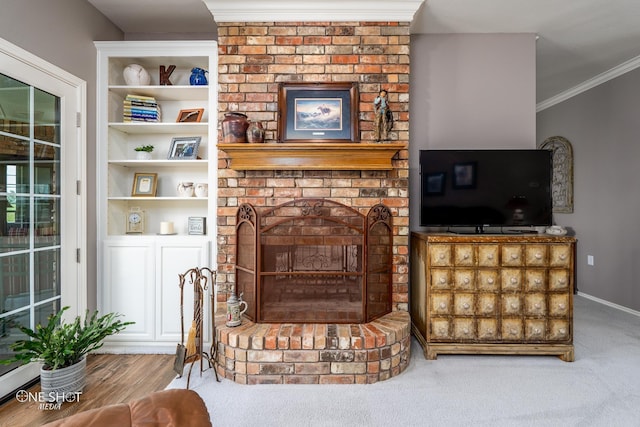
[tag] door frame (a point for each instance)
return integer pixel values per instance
(18, 63)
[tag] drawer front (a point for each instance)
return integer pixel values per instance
(559, 330)
(512, 329)
(464, 304)
(558, 305)
(440, 279)
(511, 305)
(511, 280)
(536, 255)
(488, 330)
(487, 304)
(464, 329)
(464, 279)
(488, 280)
(464, 255)
(440, 304)
(440, 329)
(535, 305)
(535, 280)
(559, 280)
(512, 255)
(488, 255)
(440, 255)
(560, 255)
(535, 330)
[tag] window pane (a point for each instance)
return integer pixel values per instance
(14, 223)
(47, 224)
(46, 169)
(14, 282)
(46, 274)
(46, 116)
(9, 333)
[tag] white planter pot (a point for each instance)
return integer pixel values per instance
(143, 155)
(56, 383)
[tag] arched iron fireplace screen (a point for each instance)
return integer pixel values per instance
(314, 261)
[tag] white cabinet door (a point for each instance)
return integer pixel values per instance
(128, 287)
(173, 259)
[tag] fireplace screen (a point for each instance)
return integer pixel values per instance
(310, 262)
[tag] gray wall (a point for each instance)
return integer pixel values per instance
(469, 91)
(603, 126)
(62, 32)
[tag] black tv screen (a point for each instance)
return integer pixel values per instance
(483, 188)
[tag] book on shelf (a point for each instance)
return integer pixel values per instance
(140, 108)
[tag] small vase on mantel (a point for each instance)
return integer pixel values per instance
(234, 127)
(255, 132)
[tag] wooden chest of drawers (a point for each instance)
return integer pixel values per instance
(492, 294)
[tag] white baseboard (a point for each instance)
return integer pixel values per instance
(610, 304)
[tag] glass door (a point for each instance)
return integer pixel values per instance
(39, 213)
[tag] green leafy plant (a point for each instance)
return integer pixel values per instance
(59, 344)
(147, 148)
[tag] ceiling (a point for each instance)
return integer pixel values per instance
(578, 39)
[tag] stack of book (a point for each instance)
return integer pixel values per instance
(139, 108)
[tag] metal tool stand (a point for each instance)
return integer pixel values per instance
(199, 280)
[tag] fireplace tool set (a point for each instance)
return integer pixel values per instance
(193, 350)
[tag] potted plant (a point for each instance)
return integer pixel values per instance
(62, 347)
(143, 152)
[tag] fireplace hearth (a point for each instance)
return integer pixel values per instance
(314, 261)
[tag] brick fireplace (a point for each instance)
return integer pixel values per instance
(254, 58)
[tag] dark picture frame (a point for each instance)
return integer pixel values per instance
(435, 183)
(144, 184)
(318, 112)
(184, 148)
(190, 116)
(464, 175)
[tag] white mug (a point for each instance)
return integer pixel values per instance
(185, 189)
(202, 189)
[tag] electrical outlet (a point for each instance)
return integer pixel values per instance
(590, 260)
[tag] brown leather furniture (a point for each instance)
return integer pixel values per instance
(167, 408)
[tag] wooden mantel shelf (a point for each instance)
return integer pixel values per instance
(311, 156)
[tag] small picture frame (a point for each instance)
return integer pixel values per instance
(197, 225)
(144, 184)
(435, 183)
(464, 175)
(184, 148)
(192, 115)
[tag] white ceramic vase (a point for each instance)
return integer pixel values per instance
(136, 75)
(202, 189)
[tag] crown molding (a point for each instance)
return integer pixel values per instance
(313, 10)
(611, 74)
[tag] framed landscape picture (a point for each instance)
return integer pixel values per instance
(318, 112)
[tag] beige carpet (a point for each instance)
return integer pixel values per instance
(601, 388)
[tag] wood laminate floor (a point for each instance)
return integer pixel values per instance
(111, 378)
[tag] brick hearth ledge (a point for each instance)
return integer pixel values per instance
(287, 353)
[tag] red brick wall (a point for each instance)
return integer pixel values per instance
(253, 59)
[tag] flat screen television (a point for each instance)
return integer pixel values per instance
(486, 188)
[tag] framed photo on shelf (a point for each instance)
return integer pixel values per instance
(318, 112)
(144, 184)
(184, 148)
(464, 175)
(190, 115)
(197, 225)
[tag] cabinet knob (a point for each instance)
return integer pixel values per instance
(537, 330)
(465, 256)
(562, 331)
(514, 280)
(442, 256)
(562, 281)
(561, 306)
(513, 331)
(537, 305)
(514, 256)
(563, 256)
(490, 280)
(441, 331)
(466, 305)
(538, 281)
(443, 280)
(538, 255)
(489, 307)
(465, 331)
(443, 305)
(466, 280)
(514, 305)
(490, 256)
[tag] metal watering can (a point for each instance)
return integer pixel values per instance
(234, 310)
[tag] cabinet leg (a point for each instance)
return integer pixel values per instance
(567, 356)
(430, 354)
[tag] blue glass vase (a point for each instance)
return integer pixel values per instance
(198, 77)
